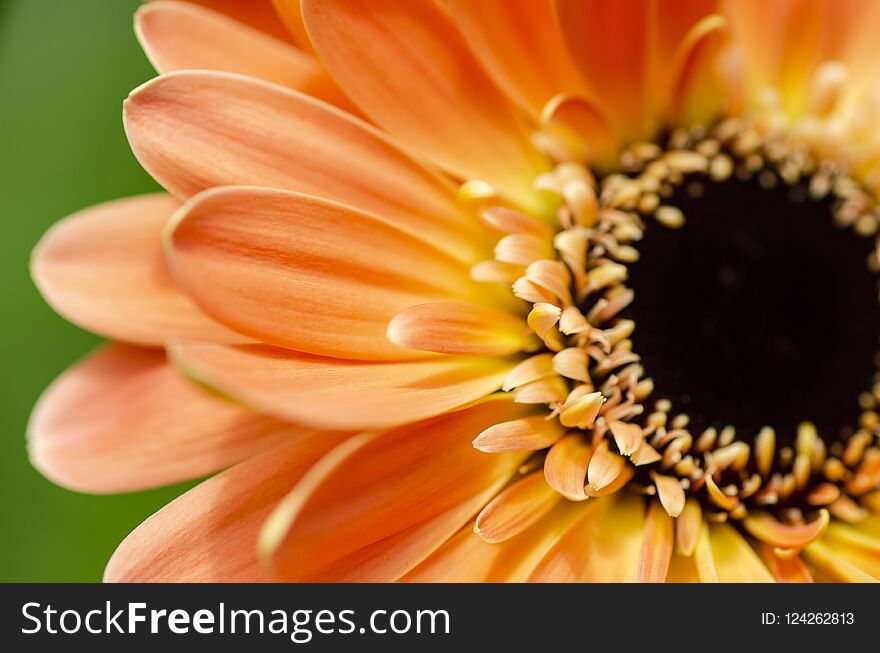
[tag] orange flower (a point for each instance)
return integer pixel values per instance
(412, 274)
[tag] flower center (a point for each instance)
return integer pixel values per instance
(758, 311)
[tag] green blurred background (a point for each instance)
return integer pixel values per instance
(65, 67)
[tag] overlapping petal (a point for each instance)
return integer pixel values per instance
(122, 419)
(209, 534)
(437, 101)
(335, 393)
(197, 129)
(382, 502)
(306, 273)
(104, 269)
(180, 35)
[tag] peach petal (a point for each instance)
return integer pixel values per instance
(336, 393)
(458, 328)
(520, 45)
(516, 508)
(193, 130)
(565, 467)
(122, 419)
(181, 35)
(103, 268)
(256, 13)
(390, 498)
(209, 534)
(300, 272)
(766, 528)
(526, 434)
(438, 101)
(687, 527)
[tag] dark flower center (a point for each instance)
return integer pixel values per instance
(759, 310)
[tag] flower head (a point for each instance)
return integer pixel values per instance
(499, 290)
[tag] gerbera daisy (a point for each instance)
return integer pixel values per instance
(500, 290)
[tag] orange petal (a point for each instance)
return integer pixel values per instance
(627, 437)
(608, 41)
(180, 35)
(785, 570)
(687, 527)
(735, 561)
(381, 503)
(458, 328)
(516, 508)
(104, 269)
(520, 45)
(670, 493)
(437, 101)
(304, 273)
(603, 546)
(766, 528)
(565, 467)
(657, 545)
(256, 13)
(466, 558)
(209, 534)
(122, 419)
(336, 393)
(290, 13)
(193, 130)
(526, 434)
(605, 467)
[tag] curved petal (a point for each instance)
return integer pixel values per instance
(104, 269)
(390, 498)
(624, 52)
(408, 68)
(256, 13)
(335, 393)
(193, 130)
(180, 35)
(209, 534)
(520, 45)
(305, 273)
(603, 546)
(122, 419)
(290, 13)
(467, 558)
(458, 328)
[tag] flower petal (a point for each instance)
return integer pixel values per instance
(301, 272)
(209, 534)
(625, 53)
(256, 13)
(516, 508)
(122, 419)
(336, 393)
(458, 328)
(181, 35)
(603, 546)
(103, 268)
(466, 558)
(520, 45)
(381, 503)
(526, 434)
(437, 100)
(193, 130)
(657, 545)
(735, 561)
